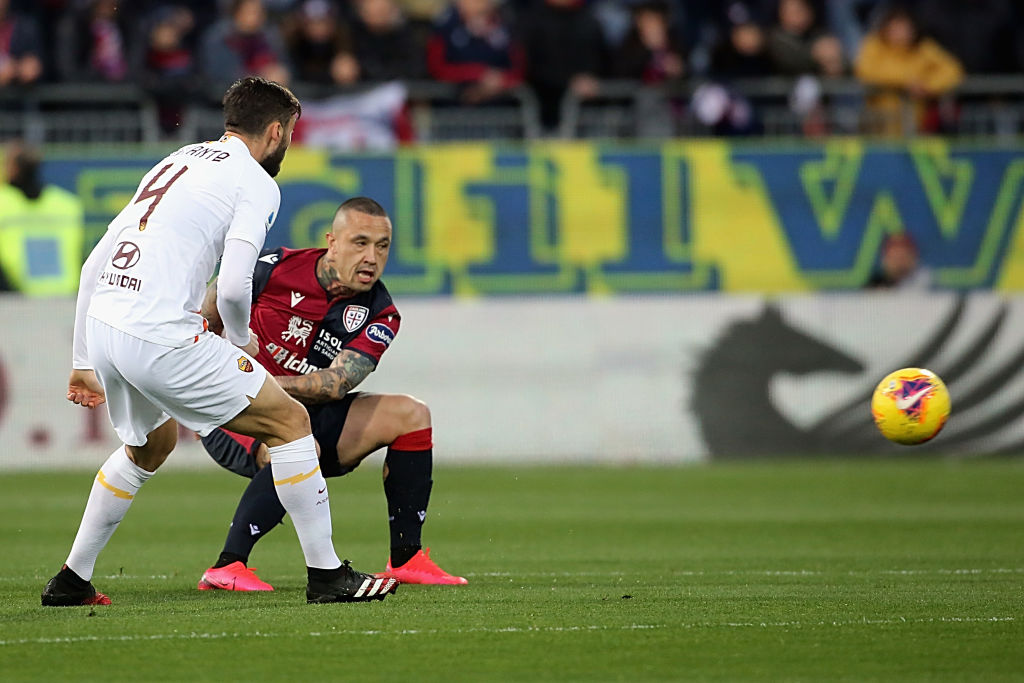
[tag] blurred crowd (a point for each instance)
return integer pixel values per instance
(907, 55)
(185, 49)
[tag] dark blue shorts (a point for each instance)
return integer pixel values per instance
(238, 453)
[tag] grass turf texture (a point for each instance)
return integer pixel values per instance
(909, 570)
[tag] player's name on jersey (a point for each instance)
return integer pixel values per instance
(203, 152)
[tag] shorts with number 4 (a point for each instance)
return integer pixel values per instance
(201, 385)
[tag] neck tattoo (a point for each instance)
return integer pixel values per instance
(329, 279)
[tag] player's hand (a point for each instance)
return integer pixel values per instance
(84, 389)
(253, 347)
(215, 324)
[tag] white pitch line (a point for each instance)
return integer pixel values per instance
(162, 577)
(856, 622)
(678, 572)
(911, 572)
(759, 572)
(319, 634)
(892, 621)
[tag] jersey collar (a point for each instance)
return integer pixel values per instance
(233, 139)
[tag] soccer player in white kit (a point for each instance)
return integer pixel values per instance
(142, 346)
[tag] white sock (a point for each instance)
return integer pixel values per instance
(117, 482)
(303, 492)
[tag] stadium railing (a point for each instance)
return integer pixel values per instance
(991, 105)
(78, 112)
(113, 113)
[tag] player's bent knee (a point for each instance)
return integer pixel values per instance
(159, 444)
(274, 417)
(414, 414)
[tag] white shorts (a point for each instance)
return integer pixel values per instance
(202, 385)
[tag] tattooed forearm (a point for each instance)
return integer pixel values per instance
(348, 370)
(209, 309)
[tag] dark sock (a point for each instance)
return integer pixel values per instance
(403, 554)
(322, 575)
(407, 488)
(72, 579)
(257, 513)
(229, 558)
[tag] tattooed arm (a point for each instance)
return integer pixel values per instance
(348, 369)
(209, 309)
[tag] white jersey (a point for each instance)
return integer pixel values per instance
(169, 237)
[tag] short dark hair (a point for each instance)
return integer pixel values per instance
(253, 103)
(898, 10)
(362, 205)
(25, 161)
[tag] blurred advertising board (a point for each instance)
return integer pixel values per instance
(600, 218)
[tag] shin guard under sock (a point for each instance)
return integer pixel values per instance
(116, 484)
(303, 492)
(259, 511)
(407, 487)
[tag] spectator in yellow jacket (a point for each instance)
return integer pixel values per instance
(41, 230)
(905, 73)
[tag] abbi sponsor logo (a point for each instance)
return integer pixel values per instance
(380, 334)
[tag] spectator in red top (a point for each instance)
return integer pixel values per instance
(20, 48)
(94, 44)
(243, 44)
(473, 46)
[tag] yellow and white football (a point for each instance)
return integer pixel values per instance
(910, 406)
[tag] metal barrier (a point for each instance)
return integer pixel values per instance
(107, 113)
(75, 113)
(982, 105)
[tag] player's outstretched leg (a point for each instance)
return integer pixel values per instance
(282, 423)
(403, 423)
(113, 490)
(257, 513)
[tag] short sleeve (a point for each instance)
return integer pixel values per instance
(376, 337)
(265, 264)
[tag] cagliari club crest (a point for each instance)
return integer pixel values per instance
(355, 316)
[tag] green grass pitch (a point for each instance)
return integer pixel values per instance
(873, 570)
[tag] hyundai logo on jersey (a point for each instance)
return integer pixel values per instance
(126, 255)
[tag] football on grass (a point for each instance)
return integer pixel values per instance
(910, 406)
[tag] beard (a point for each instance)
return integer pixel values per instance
(272, 163)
